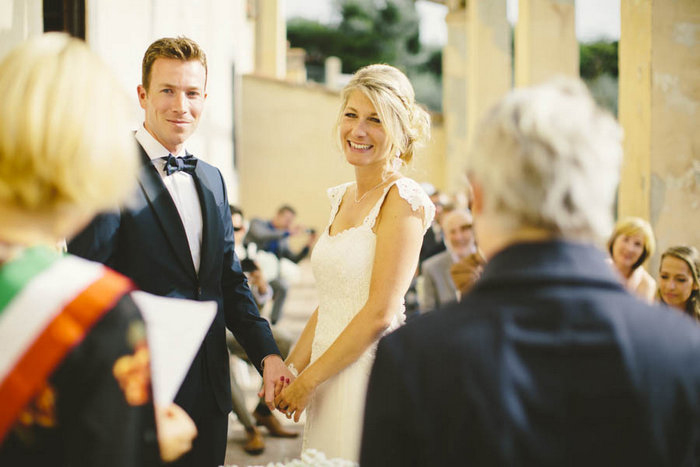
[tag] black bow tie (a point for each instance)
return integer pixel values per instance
(175, 164)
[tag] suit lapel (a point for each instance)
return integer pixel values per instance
(165, 212)
(209, 217)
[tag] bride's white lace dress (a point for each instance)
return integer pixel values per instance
(342, 267)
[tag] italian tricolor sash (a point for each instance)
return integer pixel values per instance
(48, 303)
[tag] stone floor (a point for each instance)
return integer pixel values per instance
(276, 449)
(301, 302)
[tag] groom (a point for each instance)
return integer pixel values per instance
(175, 239)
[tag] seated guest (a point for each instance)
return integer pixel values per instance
(630, 244)
(466, 271)
(548, 360)
(75, 377)
(437, 287)
(262, 292)
(433, 241)
(273, 236)
(678, 279)
(254, 444)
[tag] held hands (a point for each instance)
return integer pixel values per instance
(282, 390)
(275, 376)
(293, 398)
(176, 430)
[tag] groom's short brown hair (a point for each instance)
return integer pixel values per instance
(178, 48)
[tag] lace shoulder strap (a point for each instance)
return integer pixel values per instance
(410, 191)
(335, 195)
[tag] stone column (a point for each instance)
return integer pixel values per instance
(489, 70)
(659, 107)
(476, 73)
(296, 65)
(333, 67)
(545, 41)
(454, 97)
(271, 39)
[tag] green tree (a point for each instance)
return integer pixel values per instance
(598, 58)
(372, 31)
(598, 67)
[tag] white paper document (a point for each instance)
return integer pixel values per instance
(175, 329)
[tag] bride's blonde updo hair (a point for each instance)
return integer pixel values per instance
(406, 124)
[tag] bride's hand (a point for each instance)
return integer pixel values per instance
(293, 398)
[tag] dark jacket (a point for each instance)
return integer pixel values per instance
(146, 241)
(548, 361)
(82, 417)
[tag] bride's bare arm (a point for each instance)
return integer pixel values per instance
(399, 236)
(300, 354)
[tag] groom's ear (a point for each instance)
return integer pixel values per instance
(142, 94)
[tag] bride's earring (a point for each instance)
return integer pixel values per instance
(396, 163)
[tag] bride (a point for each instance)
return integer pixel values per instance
(363, 262)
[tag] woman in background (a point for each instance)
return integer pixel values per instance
(678, 279)
(630, 244)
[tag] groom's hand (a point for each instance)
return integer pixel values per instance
(275, 376)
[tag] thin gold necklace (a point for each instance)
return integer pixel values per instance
(384, 179)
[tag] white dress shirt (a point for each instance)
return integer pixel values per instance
(182, 189)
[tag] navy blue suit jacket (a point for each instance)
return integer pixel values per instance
(146, 241)
(548, 361)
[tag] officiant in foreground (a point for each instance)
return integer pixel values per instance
(548, 360)
(75, 373)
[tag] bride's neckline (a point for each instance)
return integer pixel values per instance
(348, 230)
(364, 220)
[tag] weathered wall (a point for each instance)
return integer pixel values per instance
(476, 73)
(489, 67)
(659, 111)
(19, 20)
(545, 41)
(455, 95)
(221, 27)
(121, 31)
(287, 151)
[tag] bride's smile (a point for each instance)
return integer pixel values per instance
(361, 129)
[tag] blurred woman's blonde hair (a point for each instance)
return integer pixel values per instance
(65, 144)
(633, 226)
(406, 124)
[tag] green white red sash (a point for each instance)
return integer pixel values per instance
(48, 303)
